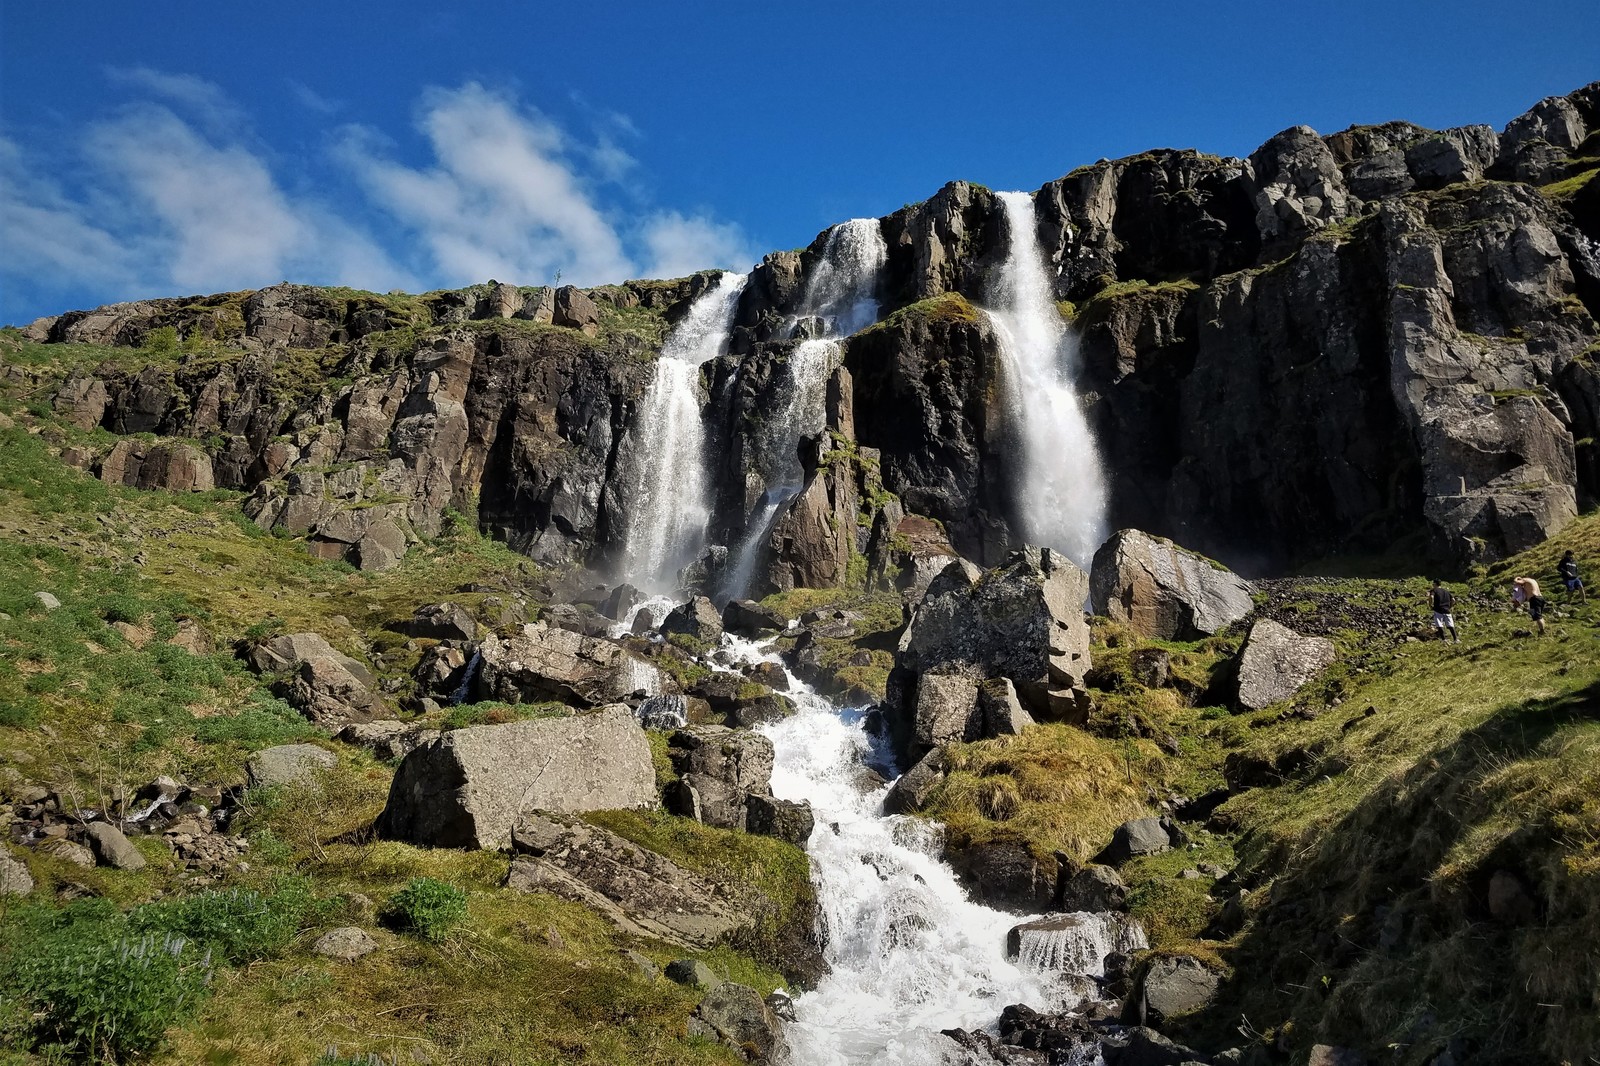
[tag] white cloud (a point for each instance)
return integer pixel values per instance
(512, 197)
(313, 100)
(503, 199)
(49, 241)
(176, 196)
(679, 245)
(203, 100)
(216, 216)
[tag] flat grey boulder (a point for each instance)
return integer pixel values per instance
(284, 653)
(1277, 662)
(112, 848)
(47, 601)
(1163, 591)
(545, 663)
(15, 880)
(346, 944)
(1141, 836)
(68, 851)
(1172, 987)
(468, 788)
(641, 892)
(288, 764)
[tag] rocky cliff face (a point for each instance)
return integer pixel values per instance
(1344, 343)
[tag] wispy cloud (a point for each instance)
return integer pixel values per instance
(174, 193)
(204, 101)
(313, 100)
(511, 195)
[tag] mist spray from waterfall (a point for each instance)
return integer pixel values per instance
(670, 494)
(1060, 485)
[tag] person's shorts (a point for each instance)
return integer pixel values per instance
(1536, 608)
(1574, 584)
(1443, 620)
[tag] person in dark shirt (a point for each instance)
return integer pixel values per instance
(1444, 605)
(1568, 569)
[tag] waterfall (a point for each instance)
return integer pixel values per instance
(1076, 943)
(840, 298)
(669, 493)
(1058, 482)
(908, 953)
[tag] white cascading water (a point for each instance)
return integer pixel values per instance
(1059, 481)
(669, 506)
(840, 298)
(909, 954)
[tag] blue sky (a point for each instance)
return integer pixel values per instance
(182, 147)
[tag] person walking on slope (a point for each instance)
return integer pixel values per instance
(1525, 590)
(1444, 605)
(1568, 569)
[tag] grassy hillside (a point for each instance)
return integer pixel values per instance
(95, 702)
(1368, 818)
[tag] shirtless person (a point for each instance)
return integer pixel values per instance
(1525, 590)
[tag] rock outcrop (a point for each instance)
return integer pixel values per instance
(1162, 591)
(468, 788)
(543, 663)
(1407, 316)
(643, 893)
(1022, 622)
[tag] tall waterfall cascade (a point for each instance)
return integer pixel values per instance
(908, 953)
(840, 298)
(670, 491)
(1059, 481)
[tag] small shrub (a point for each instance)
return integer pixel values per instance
(240, 924)
(95, 989)
(427, 907)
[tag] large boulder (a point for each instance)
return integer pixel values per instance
(945, 712)
(112, 848)
(175, 467)
(1171, 987)
(544, 663)
(1023, 620)
(697, 619)
(442, 621)
(1163, 591)
(719, 769)
(643, 893)
(784, 819)
(912, 789)
(1093, 888)
(288, 764)
(747, 618)
(15, 880)
(468, 788)
(1007, 876)
(284, 653)
(1277, 662)
(1141, 836)
(325, 690)
(737, 1016)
